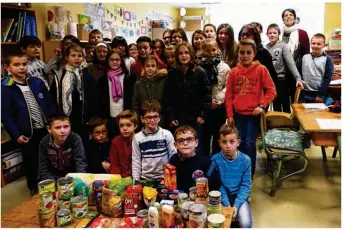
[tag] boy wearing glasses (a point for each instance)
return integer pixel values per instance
(235, 174)
(153, 146)
(98, 146)
(190, 165)
(61, 151)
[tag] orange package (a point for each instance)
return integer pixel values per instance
(170, 176)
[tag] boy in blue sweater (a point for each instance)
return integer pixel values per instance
(235, 173)
(317, 71)
(25, 106)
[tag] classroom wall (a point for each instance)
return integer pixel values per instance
(332, 18)
(140, 9)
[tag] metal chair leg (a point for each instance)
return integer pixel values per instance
(334, 154)
(275, 175)
(323, 151)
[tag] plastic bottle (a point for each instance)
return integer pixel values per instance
(153, 217)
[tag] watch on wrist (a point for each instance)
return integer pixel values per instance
(261, 106)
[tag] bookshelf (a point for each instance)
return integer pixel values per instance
(13, 27)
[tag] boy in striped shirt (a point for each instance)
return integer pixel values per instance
(235, 173)
(25, 106)
(153, 146)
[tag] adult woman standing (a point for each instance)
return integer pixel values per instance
(297, 41)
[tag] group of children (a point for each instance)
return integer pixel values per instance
(95, 105)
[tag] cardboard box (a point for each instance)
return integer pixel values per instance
(170, 176)
(82, 33)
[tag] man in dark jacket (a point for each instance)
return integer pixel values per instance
(61, 151)
(25, 106)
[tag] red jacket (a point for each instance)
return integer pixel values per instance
(137, 66)
(247, 88)
(120, 156)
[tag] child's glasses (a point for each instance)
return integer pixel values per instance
(150, 118)
(188, 140)
(99, 133)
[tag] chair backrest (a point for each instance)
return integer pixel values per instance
(297, 95)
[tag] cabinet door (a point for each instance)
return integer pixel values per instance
(48, 49)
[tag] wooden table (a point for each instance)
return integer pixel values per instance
(25, 215)
(320, 137)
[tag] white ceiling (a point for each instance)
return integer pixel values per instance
(193, 4)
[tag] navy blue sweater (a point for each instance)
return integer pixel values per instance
(15, 114)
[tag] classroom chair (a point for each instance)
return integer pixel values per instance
(281, 143)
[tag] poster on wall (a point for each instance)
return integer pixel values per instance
(106, 25)
(137, 33)
(143, 30)
(127, 15)
(118, 10)
(97, 23)
(83, 19)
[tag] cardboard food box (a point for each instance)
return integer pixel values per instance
(170, 176)
(82, 33)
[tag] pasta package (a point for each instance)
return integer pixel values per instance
(111, 203)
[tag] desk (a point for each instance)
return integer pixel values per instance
(320, 137)
(25, 215)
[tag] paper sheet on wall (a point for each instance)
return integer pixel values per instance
(329, 123)
(314, 106)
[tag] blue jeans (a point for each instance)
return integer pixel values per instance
(244, 216)
(248, 127)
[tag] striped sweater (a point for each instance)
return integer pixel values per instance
(150, 152)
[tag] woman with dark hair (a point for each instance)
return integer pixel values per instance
(227, 44)
(159, 49)
(133, 50)
(166, 37)
(262, 55)
(120, 43)
(178, 35)
(197, 37)
(210, 31)
(297, 41)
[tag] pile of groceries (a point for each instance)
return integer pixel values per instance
(123, 204)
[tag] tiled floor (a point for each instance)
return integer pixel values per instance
(309, 200)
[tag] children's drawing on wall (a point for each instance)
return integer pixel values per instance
(61, 15)
(84, 19)
(90, 9)
(137, 33)
(149, 33)
(131, 33)
(106, 25)
(97, 23)
(101, 11)
(127, 15)
(143, 30)
(118, 10)
(125, 32)
(133, 17)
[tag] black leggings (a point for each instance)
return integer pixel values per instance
(282, 102)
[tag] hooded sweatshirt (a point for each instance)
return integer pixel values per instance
(247, 88)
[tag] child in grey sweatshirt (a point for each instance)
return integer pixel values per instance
(282, 60)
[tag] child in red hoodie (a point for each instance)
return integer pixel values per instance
(121, 148)
(250, 90)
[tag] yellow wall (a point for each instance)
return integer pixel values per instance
(141, 11)
(332, 18)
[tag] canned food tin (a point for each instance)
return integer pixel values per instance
(193, 193)
(63, 217)
(186, 209)
(198, 216)
(65, 204)
(65, 187)
(144, 215)
(214, 209)
(214, 197)
(47, 218)
(47, 201)
(182, 197)
(202, 187)
(46, 185)
(216, 221)
(80, 206)
(201, 200)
